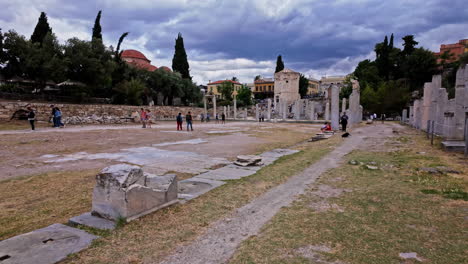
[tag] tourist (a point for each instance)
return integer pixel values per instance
(326, 127)
(188, 119)
(143, 117)
(207, 117)
(217, 118)
(53, 116)
(179, 121)
(58, 118)
(383, 118)
(149, 117)
(344, 122)
(202, 117)
(31, 117)
(223, 118)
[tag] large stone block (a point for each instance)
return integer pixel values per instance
(124, 191)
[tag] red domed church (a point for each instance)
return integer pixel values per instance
(139, 60)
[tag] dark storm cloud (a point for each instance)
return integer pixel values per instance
(311, 35)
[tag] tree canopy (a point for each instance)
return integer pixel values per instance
(97, 27)
(179, 62)
(41, 29)
(279, 64)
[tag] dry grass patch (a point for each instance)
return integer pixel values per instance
(385, 214)
(33, 202)
(151, 238)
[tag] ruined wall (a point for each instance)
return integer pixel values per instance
(94, 114)
(449, 115)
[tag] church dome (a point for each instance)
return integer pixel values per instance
(134, 54)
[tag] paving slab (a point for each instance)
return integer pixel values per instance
(454, 145)
(194, 187)
(45, 246)
(226, 173)
(87, 219)
(277, 153)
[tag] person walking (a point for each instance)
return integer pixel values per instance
(188, 119)
(31, 117)
(344, 122)
(223, 118)
(383, 118)
(58, 118)
(54, 123)
(207, 117)
(149, 118)
(217, 118)
(202, 117)
(179, 121)
(143, 117)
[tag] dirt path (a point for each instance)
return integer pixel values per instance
(220, 242)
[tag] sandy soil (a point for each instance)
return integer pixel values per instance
(23, 152)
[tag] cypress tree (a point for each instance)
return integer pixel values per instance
(41, 29)
(179, 61)
(97, 27)
(391, 42)
(279, 64)
(1, 46)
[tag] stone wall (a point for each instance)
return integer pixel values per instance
(448, 115)
(95, 114)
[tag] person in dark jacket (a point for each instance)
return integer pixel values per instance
(54, 121)
(344, 122)
(188, 119)
(31, 117)
(179, 121)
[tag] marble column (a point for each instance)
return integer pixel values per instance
(235, 107)
(335, 107)
(269, 110)
(404, 116)
(204, 105)
(285, 109)
(228, 111)
(297, 109)
(312, 110)
(224, 110)
(214, 106)
(327, 111)
(246, 113)
(257, 114)
(343, 106)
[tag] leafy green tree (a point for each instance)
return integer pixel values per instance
(129, 92)
(244, 96)
(258, 77)
(303, 85)
(2, 57)
(41, 29)
(45, 62)
(191, 94)
(179, 62)
(279, 64)
(16, 50)
(97, 27)
(409, 45)
(419, 68)
(234, 79)
(391, 42)
(367, 73)
(226, 89)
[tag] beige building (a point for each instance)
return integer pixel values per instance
(286, 86)
(264, 88)
(326, 82)
(213, 87)
(314, 85)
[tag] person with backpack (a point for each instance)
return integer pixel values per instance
(188, 119)
(179, 121)
(31, 117)
(344, 122)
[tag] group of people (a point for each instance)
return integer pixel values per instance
(206, 118)
(146, 118)
(343, 121)
(55, 117)
(188, 119)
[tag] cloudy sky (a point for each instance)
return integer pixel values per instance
(242, 38)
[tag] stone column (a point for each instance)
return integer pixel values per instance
(228, 111)
(224, 110)
(312, 110)
(246, 113)
(404, 116)
(335, 107)
(327, 111)
(214, 107)
(410, 119)
(235, 107)
(269, 110)
(204, 105)
(284, 106)
(257, 114)
(343, 106)
(297, 109)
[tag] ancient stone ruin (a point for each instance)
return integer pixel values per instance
(447, 117)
